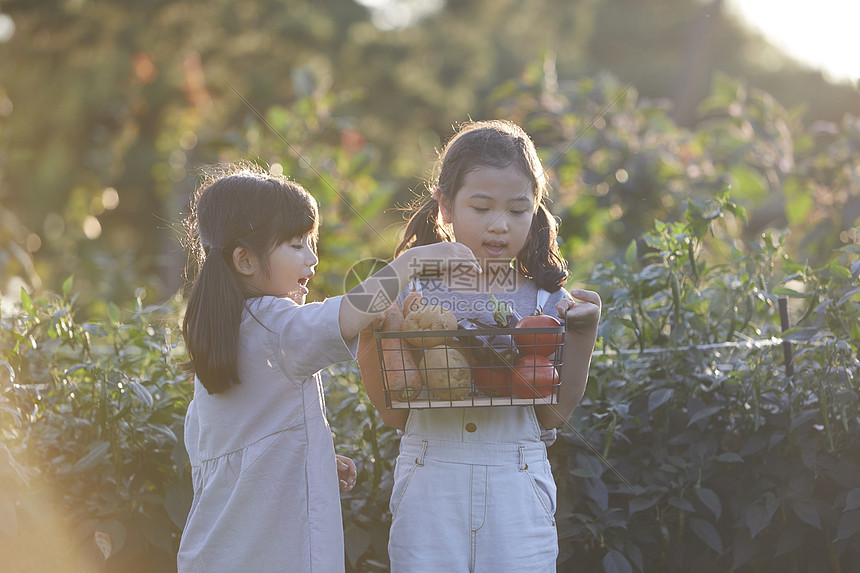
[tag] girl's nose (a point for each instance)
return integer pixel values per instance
(499, 224)
(313, 259)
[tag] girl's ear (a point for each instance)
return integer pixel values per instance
(245, 261)
(445, 211)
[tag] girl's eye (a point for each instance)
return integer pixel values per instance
(480, 209)
(519, 212)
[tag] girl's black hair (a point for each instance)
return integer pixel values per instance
(498, 144)
(240, 206)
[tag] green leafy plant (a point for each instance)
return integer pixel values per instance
(695, 445)
(361, 435)
(92, 430)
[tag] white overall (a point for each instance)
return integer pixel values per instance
(473, 491)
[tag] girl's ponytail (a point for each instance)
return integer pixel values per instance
(424, 226)
(211, 348)
(539, 257)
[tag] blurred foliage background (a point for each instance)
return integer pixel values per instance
(108, 109)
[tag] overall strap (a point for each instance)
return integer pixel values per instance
(542, 297)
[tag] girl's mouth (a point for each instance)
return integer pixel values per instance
(303, 285)
(494, 249)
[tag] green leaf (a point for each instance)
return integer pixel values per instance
(94, 328)
(839, 271)
(142, 393)
(587, 466)
(638, 504)
(158, 531)
(852, 500)
(849, 525)
(597, 491)
(705, 531)
(800, 333)
(164, 431)
(97, 454)
(803, 418)
(12, 412)
(798, 207)
(682, 504)
(754, 444)
(743, 548)
(703, 414)
(631, 254)
(848, 296)
(21, 472)
(711, 500)
(807, 513)
(177, 502)
(113, 313)
(615, 562)
(501, 311)
(67, 286)
(658, 397)
(116, 532)
(756, 517)
(356, 541)
(730, 458)
(781, 290)
(74, 368)
(748, 183)
(11, 373)
(26, 302)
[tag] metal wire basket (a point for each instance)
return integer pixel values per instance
(470, 367)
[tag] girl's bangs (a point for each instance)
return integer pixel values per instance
(296, 217)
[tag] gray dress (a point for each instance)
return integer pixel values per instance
(266, 494)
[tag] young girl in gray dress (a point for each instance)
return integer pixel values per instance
(263, 465)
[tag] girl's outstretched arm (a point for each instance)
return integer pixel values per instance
(371, 377)
(370, 298)
(583, 315)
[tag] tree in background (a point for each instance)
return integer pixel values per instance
(111, 107)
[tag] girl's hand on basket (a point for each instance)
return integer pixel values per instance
(583, 310)
(345, 472)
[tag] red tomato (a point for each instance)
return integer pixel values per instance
(543, 344)
(494, 379)
(534, 376)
